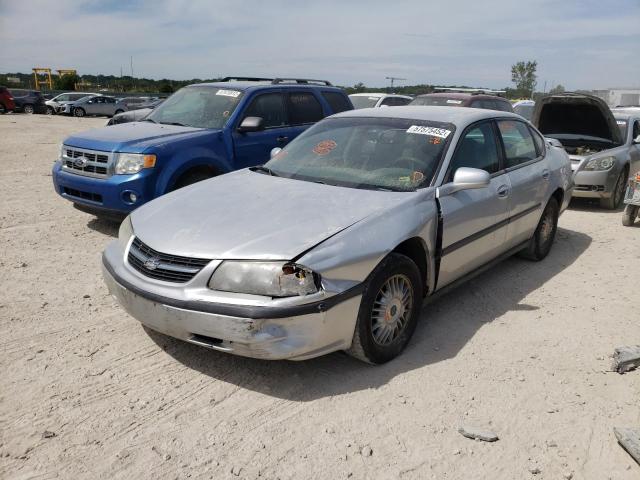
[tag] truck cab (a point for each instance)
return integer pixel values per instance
(201, 131)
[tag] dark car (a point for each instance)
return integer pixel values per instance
(6, 100)
(473, 100)
(28, 101)
(135, 115)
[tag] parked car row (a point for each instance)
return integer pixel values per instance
(318, 234)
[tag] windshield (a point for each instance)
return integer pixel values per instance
(375, 153)
(525, 111)
(200, 107)
(622, 125)
(441, 101)
(361, 101)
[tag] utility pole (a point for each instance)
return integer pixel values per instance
(131, 66)
(394, 79)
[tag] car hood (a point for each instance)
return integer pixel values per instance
(132, 137)
(576, 115)
(254, 216)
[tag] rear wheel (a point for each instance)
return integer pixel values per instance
(389, 310)
(540, 244)
(614, 201)
(629, 215)
(28, 108)
(79, 112)
(3, 109)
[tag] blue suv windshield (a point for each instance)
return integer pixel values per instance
(200, 107)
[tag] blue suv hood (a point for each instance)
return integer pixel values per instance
(134, 137)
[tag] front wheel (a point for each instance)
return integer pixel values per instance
(28, 109)
(389, 310)
(629, 215)
(79, 112)
(3, 109)
(540, 244)
(614, 201)
(50, 110)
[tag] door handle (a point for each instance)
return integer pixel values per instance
(503, 191)
(282, 139)
(546, 174)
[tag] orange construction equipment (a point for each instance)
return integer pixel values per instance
(47, 81)
(62, 72)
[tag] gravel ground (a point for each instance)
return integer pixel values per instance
(523, 351)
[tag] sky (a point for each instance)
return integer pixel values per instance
(581, 44)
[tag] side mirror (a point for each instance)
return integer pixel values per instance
(251, 124)
(466, 178)
(275, 151)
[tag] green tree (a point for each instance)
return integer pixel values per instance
(359, 87)
(66, 82)
(166, 88)
(557, 89)
(523, 74)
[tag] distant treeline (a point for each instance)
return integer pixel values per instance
(126, 84)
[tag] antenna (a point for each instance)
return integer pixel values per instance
(394, 79)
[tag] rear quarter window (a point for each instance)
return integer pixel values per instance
(337, 101)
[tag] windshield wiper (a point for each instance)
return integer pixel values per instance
(149, 120)
(262, 168)
(178, 124)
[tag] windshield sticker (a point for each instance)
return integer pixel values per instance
(434, 132)
(226, 113)
(455, 102)
(228, 93)
(435, 140)
(324, 147)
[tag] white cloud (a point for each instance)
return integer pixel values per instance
(578, 44)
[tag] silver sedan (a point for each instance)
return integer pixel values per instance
(337, 240)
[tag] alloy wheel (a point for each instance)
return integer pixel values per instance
(391, 309)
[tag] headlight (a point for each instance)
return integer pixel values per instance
(274, 279)
(125, 232)
(600, 163)
(133, 162)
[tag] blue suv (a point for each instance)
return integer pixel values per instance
(201, 131)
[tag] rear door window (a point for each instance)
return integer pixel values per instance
(395, 101)
(269, 107)
(303, 108)
(337, 101)
(519, 146)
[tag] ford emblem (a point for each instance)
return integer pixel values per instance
(80, 162)
(152, 263)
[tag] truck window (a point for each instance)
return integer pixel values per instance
(270, 107)
(337, 101)
(303, 108)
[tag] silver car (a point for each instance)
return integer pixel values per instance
(604, 146)
(371, 100)
(336, 241)
(95, 105)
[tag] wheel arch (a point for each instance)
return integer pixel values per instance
(416, 249)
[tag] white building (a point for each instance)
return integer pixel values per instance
(619, 97)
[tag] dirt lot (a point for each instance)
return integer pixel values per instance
(86, 392)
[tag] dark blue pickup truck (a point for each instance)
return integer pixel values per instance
(201, 131)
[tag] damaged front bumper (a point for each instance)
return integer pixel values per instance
(294, 332)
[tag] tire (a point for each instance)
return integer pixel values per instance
(629, 215)
(78, 112)
(3, 109)
(382, 333)
(28, 109)
(190, 178)
(540, 244)
(49, 110)
(118, 111)
(614, 201)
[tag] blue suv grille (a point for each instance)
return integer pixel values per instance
(161, 266)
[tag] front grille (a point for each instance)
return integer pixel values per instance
(589, 188)
(161, 266)
(86, 162)
(72, 192)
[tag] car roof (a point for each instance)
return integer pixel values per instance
(379, 94)
(461, 95)
(247, 86)
(455, 115)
